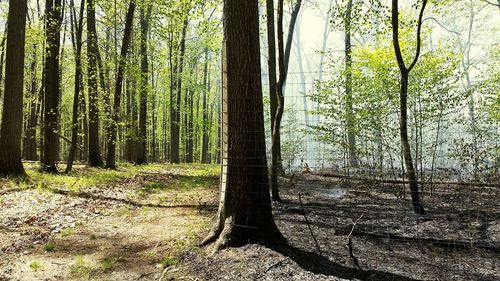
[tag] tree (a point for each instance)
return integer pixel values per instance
(283, 61)
(94, 159)
(77, 40)
(245, 208)
(351, 138)
(403, 99)
(12, 117)
(144, 22)
(115, 114)
(52, 89)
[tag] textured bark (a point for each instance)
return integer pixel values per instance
(115, 115)
(245, 207)
(283, 61)
(403, 96)
(141, 148)
(175, 108)
(52, 86)
(12, 117)
(351, 137)
(94, 158)
(77, 34)
(204, 145)
(29, 142)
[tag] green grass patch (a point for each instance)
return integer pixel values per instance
(49, 247)
(80, 267)
(35, 265)
(169, 261)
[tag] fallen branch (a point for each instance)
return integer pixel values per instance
(276, 264)
(478, 184)
(309, 225)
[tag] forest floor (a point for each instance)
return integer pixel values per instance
(143, 223)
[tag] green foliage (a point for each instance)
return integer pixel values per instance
(35, 265)
(169, 261)
(48, 247)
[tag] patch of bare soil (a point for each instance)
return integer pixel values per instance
(458, 240)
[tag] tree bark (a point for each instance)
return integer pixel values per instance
(78, 81)
(12, 117)
(94, 158)
(52, 86)
(403, 96)
(350, 123)
(245, 207)
(176, 113)
(283, 61)
(29, 142)
(144, 22)
(115, 116)
(204, 145)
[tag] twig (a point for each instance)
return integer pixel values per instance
(309, 225)
(144, 275)
(276, 264)
(349, 244)
(163, 273)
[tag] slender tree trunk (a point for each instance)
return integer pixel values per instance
(176, 116)
(115, 116)
(52, 86)
(12, 117)
(403, 96)
(144, 21)
(94, 158)
(245, 207)
(283, 61)
(350, 123)
(271, 63)
(30, 144)
(204, 146)
(78, 82)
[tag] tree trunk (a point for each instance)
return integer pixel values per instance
(350, 123)
(78, 82)
(52, 86)
(283, 61)
(403, 96)
(94, 158)
(115, 116)
(30, 144)
(176, 114)
(12, 117)
(271, 63)
(144, 21)
(204, 145)
(245, 207)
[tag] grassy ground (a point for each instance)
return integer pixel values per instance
(94, 224)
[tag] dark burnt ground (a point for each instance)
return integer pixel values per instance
(458, 240)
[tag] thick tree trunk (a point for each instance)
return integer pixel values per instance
(78, 82)
(52, 86)
(94, 158)
(351, 137)
(115, 116)
(12, 117)
(403, 96)
(245, 207)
